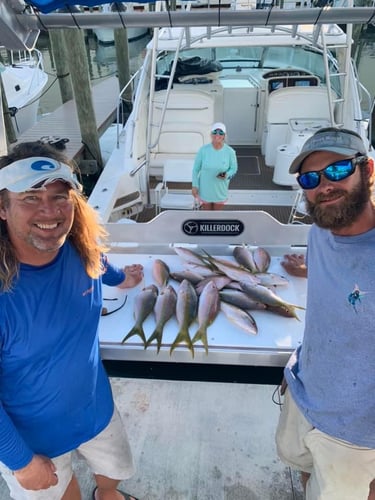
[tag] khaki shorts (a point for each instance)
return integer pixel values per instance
(108, 454)
(339, 470)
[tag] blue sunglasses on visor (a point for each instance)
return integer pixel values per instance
(337, 171)
(217, 132)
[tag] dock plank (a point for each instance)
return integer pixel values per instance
(63, 122)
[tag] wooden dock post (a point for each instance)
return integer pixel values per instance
(60, 58)
(75, 44)
(123, 67)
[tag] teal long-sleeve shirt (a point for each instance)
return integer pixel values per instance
(209, 162)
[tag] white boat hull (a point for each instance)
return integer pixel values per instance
(23, 82)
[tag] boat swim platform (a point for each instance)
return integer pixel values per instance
(64, 123)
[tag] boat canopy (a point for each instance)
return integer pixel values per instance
(47, 6)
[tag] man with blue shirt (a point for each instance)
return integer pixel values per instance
(327, 424)
(55, 396)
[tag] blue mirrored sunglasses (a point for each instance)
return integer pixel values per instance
(217, 132)
(337, 171)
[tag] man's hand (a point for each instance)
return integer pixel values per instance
(133, 276)
(295, 265)
(39, 474)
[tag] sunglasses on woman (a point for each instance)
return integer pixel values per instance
(217, 132)
(337, 171)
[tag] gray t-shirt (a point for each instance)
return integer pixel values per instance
(332, 375)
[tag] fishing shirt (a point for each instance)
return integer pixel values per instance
(331, 376)
(54, 392)
(208, 163)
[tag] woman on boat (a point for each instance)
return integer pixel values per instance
(214, 166)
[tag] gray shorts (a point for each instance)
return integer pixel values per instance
(339, 470)
(108, 454)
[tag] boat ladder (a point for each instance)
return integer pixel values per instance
(337, 103)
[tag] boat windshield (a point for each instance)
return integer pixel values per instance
(252, 62)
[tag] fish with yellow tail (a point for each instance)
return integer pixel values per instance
(160, 272)
(240, 317)
(208, 309)
(263, 294)
(143, 305)
(165, 308)
(186, 311)
(233, 271)
(256, 260)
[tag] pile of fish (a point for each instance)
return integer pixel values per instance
(207, 286)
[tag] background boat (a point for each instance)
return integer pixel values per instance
(106, 35)
(24, 80)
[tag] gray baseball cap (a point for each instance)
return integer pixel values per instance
(34, 172)
(342, 141)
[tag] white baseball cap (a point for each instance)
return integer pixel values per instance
(34, 173)
(219, 126)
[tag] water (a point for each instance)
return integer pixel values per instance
(101, 61)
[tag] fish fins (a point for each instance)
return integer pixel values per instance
(201, 335)
(156, 335)
(136, 330)
(182, 337)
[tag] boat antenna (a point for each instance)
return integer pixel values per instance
(118, 8)
(169, 13)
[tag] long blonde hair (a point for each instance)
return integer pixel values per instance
(87, 234)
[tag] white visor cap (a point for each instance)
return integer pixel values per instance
(34, 172)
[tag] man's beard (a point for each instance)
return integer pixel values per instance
(345, 212)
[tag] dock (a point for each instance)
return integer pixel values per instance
(198, 441)
(63, 122)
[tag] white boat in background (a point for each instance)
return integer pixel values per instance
(24, 79)
(106, 35)
(273, 87)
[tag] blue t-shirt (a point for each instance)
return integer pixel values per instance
(332, 375)
(208, 163)
(54, 392)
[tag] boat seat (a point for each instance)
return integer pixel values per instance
(184, 128)
(174, 192)
(310, 102)
(178, 142)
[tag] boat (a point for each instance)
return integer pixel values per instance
(276, 85)
(273, 87)
(24, 79)
(106, 36)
